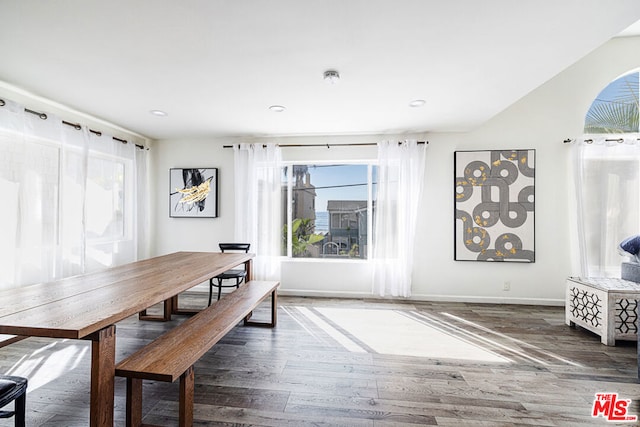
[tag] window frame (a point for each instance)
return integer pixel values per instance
(371, 164)
(127, 199)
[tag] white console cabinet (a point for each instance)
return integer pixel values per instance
(605, 306)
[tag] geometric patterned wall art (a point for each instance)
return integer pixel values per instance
(494, 198)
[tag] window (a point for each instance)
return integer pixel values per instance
(611, 205)
(615, 109)
(105, 202)
(608, 171)
(327, 207)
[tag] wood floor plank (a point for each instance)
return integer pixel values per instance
(523, 366)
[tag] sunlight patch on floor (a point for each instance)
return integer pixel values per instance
(391, 332)
(347, 343)
(530, 352)
(49, 362)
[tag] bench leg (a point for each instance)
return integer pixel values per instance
(186, 398)
(134, 402)
(274, 314)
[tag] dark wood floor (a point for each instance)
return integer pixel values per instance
(357, 363)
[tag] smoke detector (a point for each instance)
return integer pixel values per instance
(331, 76)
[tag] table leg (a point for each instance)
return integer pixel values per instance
(103, 356)
(248, 265)
(166, 314)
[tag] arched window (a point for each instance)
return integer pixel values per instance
(615, 109)
(607, 177)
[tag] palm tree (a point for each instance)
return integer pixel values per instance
(302, 237)
(616, 109)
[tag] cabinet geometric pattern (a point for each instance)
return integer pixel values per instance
(606, 306)
(585, 306)
(626, 317)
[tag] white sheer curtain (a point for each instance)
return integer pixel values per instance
(606, 173)
(69, 199)
(258, 206)
(400, 182)
(142, 208)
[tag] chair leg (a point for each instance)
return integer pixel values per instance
(210, 291)
(20, 409)
(219, 288)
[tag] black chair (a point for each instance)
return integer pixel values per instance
(238, 275)
(13, 388)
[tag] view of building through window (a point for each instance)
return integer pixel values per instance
(330, 209)
(615, 109)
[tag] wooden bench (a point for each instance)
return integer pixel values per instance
(173, 354)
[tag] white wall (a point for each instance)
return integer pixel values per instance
(540, 121)
(191, 234)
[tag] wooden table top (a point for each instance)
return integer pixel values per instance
(78, 306)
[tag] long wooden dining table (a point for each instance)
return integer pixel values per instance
(88, 306)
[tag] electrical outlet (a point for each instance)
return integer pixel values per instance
(506, 286)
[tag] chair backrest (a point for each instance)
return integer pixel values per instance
(240, 247)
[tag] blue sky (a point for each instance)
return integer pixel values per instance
(337, 175)
(619, 87)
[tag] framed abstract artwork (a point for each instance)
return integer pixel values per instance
(193, 193)
(494, 205)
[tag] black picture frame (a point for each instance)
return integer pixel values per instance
(494, 205)
(193, 192)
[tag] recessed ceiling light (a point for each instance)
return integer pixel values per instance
(277, 108)
(159, 113)
(416, 103)
(331, 76)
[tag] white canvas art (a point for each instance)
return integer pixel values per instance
(193, 193)
(494, 194)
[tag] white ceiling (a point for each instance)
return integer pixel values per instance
(216, 66)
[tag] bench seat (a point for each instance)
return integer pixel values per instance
(173, 354)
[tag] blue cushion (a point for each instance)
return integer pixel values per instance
(631, 245)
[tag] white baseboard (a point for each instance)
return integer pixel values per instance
(426, 298)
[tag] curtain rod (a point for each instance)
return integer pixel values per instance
(76, 126)
(330, 145)
(590, 141)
